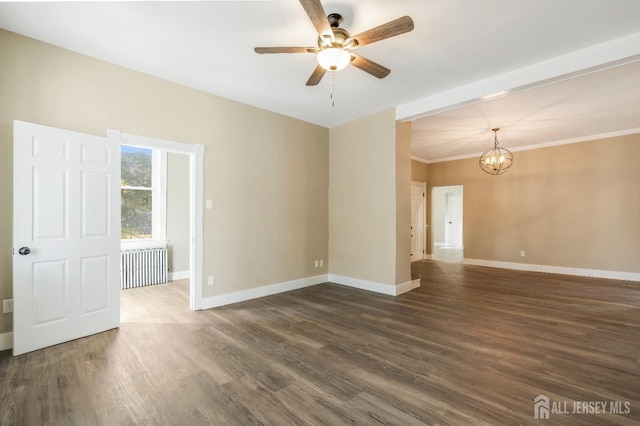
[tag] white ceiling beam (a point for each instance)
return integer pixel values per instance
(600, 56)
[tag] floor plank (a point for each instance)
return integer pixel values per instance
(472, 345)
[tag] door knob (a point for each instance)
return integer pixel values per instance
(24, 251)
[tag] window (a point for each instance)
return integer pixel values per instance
(142, 191)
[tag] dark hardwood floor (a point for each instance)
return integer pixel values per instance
(472, 345)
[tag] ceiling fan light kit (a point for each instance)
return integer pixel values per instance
(496, 160)
(333, 59)
(335, 43)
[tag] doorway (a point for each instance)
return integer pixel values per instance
(194, 157)
(447, 223)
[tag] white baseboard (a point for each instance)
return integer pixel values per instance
(408, 286)
(6, 341)
(594, 273)
(180, 275)
(390, 290)
(363, 284)
(267, 290)
(428, 256)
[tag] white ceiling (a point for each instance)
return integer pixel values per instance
(459, 51)
(598, 104)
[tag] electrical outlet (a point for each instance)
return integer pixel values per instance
(322, 263)
(522, 253)
(7, 306)
(210, 280)
(317, 263)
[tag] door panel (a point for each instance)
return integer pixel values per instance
(95, 205)
(49, 203)
(50, 283)
(95, 284)
(67, 212)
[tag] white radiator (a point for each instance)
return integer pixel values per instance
(143, 267)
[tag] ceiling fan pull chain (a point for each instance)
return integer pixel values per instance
(333, 85)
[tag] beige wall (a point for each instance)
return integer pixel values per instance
(419, 171)
(268, 180)
(403, 202)
(363, 198)
(178, 212)
(574, 206)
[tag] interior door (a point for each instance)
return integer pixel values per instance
(66, 235)
(454, 219)
(417, 221)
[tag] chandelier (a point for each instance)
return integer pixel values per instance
(496, 160)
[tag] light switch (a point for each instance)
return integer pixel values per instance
(209, 204)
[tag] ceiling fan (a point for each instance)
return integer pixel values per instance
(335, 44)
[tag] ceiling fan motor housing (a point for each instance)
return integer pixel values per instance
(340, 35)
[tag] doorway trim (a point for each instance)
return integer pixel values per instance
(423, 187)
(196, 189)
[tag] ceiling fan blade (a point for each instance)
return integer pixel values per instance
(369, 66)
(316, 76)
(390, 29)
(318, 19)
(285, 49)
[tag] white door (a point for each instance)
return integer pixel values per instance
(454, 219)
(66, 236)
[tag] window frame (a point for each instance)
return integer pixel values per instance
(158, 202)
